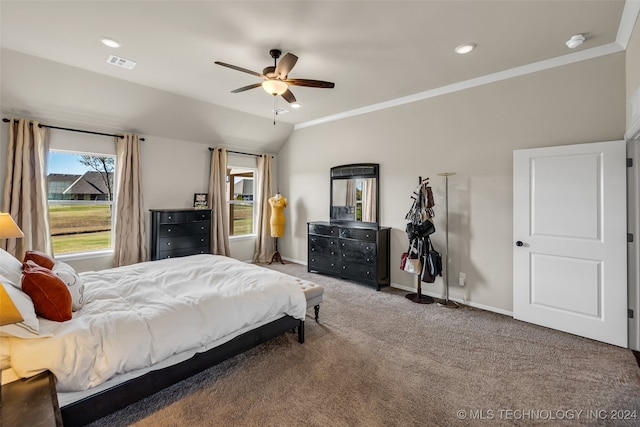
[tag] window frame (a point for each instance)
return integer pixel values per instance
(230, 201)
(112, 203)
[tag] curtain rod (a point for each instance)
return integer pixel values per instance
(240, 152)
(75, 130)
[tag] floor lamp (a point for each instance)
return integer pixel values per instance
(446, 302)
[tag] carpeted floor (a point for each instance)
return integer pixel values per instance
(377, 359)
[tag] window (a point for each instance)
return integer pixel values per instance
(81, 192)
(240, 195)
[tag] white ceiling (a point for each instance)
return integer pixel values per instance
(375, 52)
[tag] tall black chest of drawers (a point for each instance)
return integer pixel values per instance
(180, 232)
(354, 253)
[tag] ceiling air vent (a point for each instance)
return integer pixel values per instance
(121, 62)
(280, 111)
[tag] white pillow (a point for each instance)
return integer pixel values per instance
(73, 281)
(30, 326)
(10, 269)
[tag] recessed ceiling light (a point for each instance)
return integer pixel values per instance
(109, 42)
(465, 48)
(575, 41)
(296, 105)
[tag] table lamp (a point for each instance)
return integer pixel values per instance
(9, 314)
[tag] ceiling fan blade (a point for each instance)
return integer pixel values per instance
(234, 67)
(288, 96)
(310, 83)
(285, 65)
(242, 89)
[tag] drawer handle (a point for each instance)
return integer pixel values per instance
(367, 236)
(168, 243)
(168, 230)
(202, 228)
(170, 217)
(202, 240)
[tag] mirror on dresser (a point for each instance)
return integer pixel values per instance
(351, 245)
(354, 194)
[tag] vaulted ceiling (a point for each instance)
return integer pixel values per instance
(375, 51)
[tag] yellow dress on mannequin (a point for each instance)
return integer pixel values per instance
(278, 203)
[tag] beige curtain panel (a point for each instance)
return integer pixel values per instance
(130, 245)
(218, 200)
(25, 187)
(264, 241)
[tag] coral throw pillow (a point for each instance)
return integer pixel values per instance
(50, 295)
(40, 258)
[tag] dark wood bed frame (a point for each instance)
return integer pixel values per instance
(110, 400)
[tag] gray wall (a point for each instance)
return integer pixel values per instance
(472, 132)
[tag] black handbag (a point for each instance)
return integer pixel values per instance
(431, 264)
(418, 230)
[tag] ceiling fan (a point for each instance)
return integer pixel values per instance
(276, 81)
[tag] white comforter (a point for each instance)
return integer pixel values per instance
(139, 315)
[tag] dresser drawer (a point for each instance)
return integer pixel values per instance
(203, 215)
(322, 244)
(181, 242)
(325, 230)
(358, 234)
(322, 262)
(185, 229)
(173, 217)
(174, 253)
(359, 273)
(357, 251)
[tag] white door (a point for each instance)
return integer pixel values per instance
(569, 229)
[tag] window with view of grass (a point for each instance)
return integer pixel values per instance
(81, 192)
(240, 196)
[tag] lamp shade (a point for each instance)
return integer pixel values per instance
(275, 86)
(8, 227)
(9, 314)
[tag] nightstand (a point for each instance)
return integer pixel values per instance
(30, 402)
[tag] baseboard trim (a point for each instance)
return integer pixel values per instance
(458, 300)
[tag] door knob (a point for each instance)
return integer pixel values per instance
(519, 243)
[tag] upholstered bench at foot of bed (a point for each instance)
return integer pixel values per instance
(313, 293)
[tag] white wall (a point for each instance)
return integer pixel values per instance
(473, 133)
(173, 167)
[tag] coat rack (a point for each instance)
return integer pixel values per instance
(446, 302)
(417, 297)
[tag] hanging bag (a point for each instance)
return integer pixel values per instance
(413, 264)
(432, 264)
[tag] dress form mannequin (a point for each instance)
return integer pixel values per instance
(278, 203)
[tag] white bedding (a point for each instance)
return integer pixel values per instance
(140, 315)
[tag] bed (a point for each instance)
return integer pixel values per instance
(144, 327)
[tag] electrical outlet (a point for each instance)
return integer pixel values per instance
(461, 279)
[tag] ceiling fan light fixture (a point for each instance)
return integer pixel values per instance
(274, 86)
(465, 48)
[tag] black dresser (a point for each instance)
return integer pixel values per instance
(351, 252)
(180, 232)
